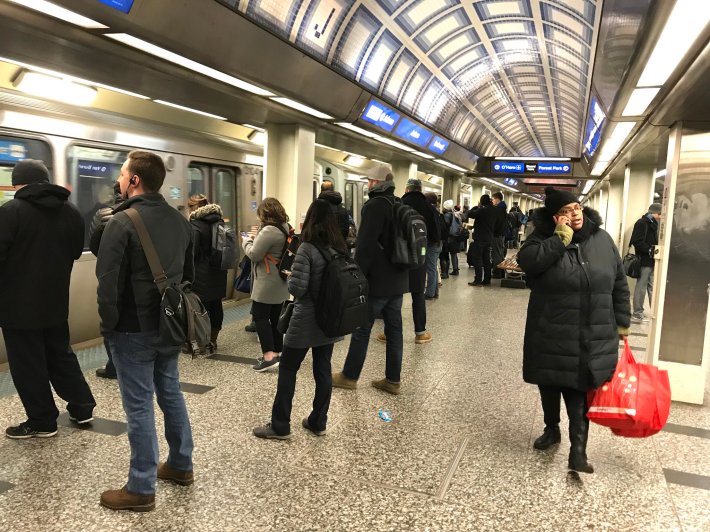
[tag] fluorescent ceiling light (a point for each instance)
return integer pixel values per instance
(257, 128)
(687, 20)
(423, 155)
(53, 88)
(257, 137)
(354, 160)
(356, 129)
(588, 186)
(599, 167)
(501, 185)
(532, 159)
(450, 165)
(660, 173)
(581, 199)
(162, 53)
(256, 160)
(639, 100)
(381, 162)
(53, 10)
(393, 143)
(190, 109)
(301, 107)
(615, 140)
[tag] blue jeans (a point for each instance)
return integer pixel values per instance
(432, 279)
(391, 310)
(644, 285)
(143, 364)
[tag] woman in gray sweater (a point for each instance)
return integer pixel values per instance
(320, 236)
(269, 290)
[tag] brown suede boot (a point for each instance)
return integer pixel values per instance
(125, 500)
(386, 386)
(341, 381)
(184, 478)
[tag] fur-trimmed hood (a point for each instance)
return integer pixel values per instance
(542, 219)
(207, 210)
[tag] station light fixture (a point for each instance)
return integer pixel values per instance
(354, 160)
(500, 185)
(257, 137)
(639, 101)
(53, 10)
(356, 129)
(599, 167)
(422, 155)
(256, 160)
(54, 88)
(451, 165)
(616, 140)
(588, 186)
(189, 109)
(162, 53)
(393, 143)
(293, 104)
(543, 159)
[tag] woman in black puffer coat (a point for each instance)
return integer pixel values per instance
(578, 309)
(210, 282)
(320, 232)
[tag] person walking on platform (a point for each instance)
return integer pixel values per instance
(498, 251)
(644, 238)
(210, 281)
(41, 235)
(320, 235)
(387, 284)
(578, 310)
(487, 219)
(129, 308)
(269, 289)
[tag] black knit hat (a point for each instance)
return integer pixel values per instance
(28, 172)
(556, 199)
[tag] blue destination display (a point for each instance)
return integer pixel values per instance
(508, 168)
(12, 151)
(554, 168)
(122, 5)
(408, 130)
(99, 169)
(595, 122)
(381, 116)
(438, 145)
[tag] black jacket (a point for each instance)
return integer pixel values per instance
(41, 235)
(340, 212)
(128, 299)
(579, 297)
(210, 282)
(375, 240)
(487, 223)
(644, 237)
(416, 200)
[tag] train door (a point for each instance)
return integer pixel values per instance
(219, 184)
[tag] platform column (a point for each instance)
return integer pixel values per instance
(402, 170)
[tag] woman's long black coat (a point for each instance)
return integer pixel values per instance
(579, 298)
(210, 282)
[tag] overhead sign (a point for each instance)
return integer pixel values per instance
(381, 116)
(124, 6)
(508, 167)
(413, 133)
(99, 169)
(595, 121)
(438, 145)
(12, 151)
(554, 168)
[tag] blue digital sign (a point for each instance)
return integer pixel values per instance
(379, 115)
(123, 6)
(554, 168)
(411, 132)
(509, 168)
(12, 151)
(100, 169)
(438, 145)
(595, 122)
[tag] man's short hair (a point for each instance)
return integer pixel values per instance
(326, 185)
(498, 196)
(149, 167)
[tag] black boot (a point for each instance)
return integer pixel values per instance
(213, 341)
(454, 272)
(550, 399)
(551, 436)
(576, 403)
(251, 327)
(444, 269)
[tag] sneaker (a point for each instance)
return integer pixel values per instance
(102, 373)
(23, 431)
(251, 327)
(308, 428)
(341, 381)
(81, 420)
(184, 478)
(638, 318)
(387, 386)
(381, 338)
(125, 500)
(268, 433)
(423, 338)
(475, 283)
(262, 365)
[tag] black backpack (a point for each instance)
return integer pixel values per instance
(223, 246)
(341, 305)
(288, 253)
(410, 236)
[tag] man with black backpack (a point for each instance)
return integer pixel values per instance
(335, 200)
(387, 283)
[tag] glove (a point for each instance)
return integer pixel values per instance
(103, 215)
(623, 332)
(565, 233)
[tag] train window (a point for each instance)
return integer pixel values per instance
(197, 180)
(349, 196)
(14, 149)
(316, 189)
(7, 191)
(365, 196)
(225, 187)
(92, 174)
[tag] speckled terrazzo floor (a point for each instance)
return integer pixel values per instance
(457, 455)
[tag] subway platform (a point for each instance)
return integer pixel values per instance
(457, 454)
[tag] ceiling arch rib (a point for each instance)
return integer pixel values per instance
(506, 77)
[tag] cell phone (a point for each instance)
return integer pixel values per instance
(245, 234)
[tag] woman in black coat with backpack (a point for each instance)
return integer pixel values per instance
(578, 310)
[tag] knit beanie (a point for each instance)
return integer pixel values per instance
(28, 172)
(555, 199)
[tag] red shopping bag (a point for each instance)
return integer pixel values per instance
(653, 403)
(614, 403)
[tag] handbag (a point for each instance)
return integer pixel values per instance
(242, 282)
(285, 316)
(632, 265)
(183, 318)
(635, 403)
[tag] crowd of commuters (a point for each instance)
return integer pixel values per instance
(573, 268)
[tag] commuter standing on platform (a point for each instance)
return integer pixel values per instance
(335, 200)
(453, 221)
(41, 235)
(387, 284)
(269, 289)
(129, 308)
(486, 218)
(498, 246)
(210, 281)
(644, 238)
(578, 310)
(321, 235)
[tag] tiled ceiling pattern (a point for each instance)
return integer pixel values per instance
(501, 77)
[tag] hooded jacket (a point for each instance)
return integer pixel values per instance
(41, 235)
(375, 240)
(210, 283)
(340, 212)
(579, 297)
(644, 237)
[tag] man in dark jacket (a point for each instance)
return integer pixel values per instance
(41, 235)
(644, 238)
(498, 244)
(342, 217)
(129, 308)
(387, 284)
(487, 219)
